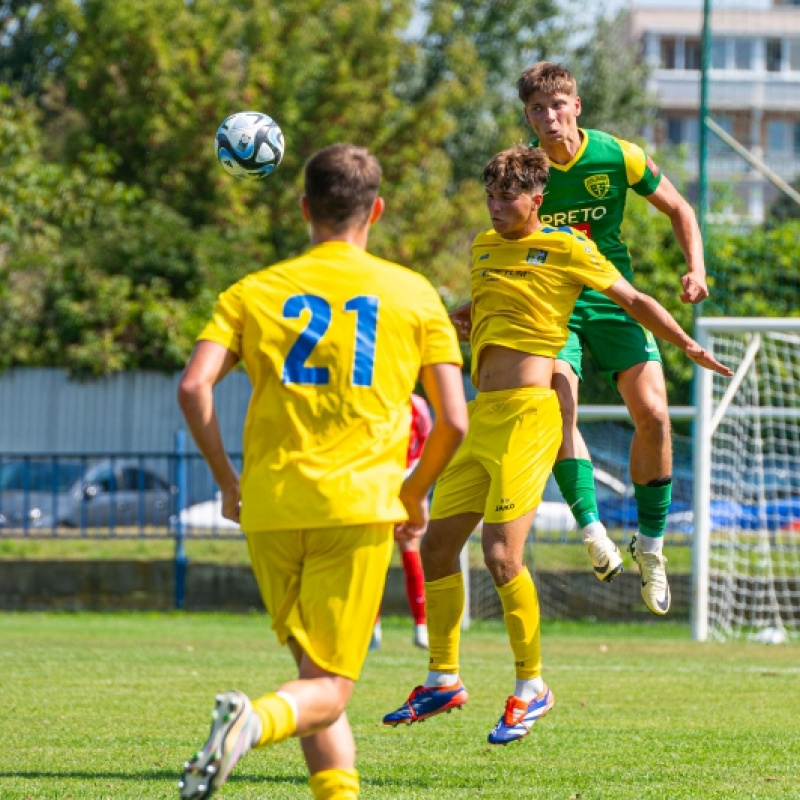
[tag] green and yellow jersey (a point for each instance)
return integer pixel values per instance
(333, 342)
(589, 192)
(524, 290)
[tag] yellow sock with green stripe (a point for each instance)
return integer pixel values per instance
(334, 784)
(277, 712)
(521, 615)
(445, 606)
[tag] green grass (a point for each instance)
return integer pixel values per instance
(233, 550)
(100, 706)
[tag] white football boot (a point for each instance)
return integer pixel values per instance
(655, 587)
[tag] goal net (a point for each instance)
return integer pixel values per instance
(747, 482)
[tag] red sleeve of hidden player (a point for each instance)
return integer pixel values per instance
(421, 424)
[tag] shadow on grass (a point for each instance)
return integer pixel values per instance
(152, 775)
(157, 776)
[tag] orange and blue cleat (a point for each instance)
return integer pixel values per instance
(519, 716)
(427, 701)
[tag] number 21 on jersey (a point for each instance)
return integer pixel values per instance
(296, 368)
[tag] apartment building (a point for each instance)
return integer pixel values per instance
(754, 93)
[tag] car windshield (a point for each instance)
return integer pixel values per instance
(38, 476)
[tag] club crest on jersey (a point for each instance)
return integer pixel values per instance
(536, 256)
(597, 185)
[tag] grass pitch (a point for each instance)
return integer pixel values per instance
(103, 706)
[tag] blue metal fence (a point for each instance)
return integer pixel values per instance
(88, 496)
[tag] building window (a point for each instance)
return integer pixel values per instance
(743, 54)
(774, 53)
(668, 50)
(674, 130)
(682, 130)
(691, 130)
(794, 54)
(777, 136)
(691, 57)
(719, 54)
(783, 137)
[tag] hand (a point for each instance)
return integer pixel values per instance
(704, 359)
(231, 502)
(695, 289)
(462, 321)
(414, 526)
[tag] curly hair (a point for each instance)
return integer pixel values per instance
(520, 168)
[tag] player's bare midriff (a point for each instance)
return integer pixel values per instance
(505, 368)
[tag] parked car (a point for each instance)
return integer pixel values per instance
(79, 494)
(207, 515)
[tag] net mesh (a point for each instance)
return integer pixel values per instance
(754, 561)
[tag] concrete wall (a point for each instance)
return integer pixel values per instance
(149, 585)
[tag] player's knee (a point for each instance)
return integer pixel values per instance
(653, 422)
(437, 555)
(502, 564)
(337, 692)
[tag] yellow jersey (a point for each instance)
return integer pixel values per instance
(524, 290)
(333, 342)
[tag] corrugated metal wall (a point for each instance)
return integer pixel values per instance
(43, 411)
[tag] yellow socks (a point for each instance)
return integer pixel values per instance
(334, 784)
(278, 714)
(521, 614)
(445, 601)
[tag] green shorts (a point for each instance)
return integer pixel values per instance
(614, 339)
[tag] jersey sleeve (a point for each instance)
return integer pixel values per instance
(590, 267)
(642, 172)
(225, 326)
(439, 340)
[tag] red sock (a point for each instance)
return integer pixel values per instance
(415, 585)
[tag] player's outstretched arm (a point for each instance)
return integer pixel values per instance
(444, 388)
(668, 200)
(655, 317)
(209, 364)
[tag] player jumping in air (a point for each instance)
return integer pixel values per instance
(590, 175)
(526, 277)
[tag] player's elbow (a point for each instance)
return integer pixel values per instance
(450, 429)
(189, 390)
(456, 426)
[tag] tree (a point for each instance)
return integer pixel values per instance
(476, 50)
(75, 286)
(612, 78)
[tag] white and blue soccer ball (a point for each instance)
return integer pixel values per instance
(249, 144)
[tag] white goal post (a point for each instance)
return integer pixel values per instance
(746, 561)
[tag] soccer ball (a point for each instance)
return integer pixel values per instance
(249, 144)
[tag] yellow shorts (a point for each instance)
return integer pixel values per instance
(503, 463)
(323, 587)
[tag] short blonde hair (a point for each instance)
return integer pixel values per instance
(548, 78)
